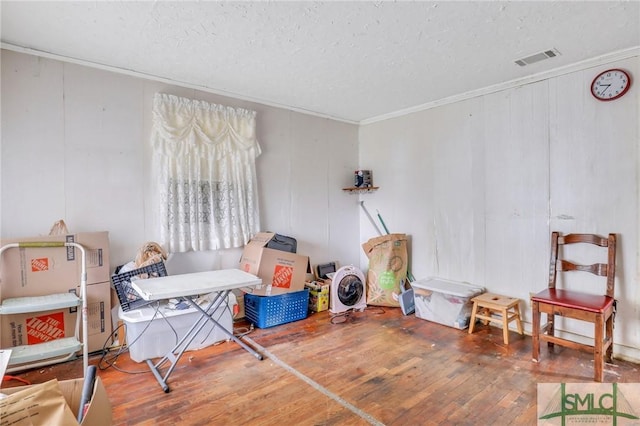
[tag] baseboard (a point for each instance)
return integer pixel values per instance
(622, 352)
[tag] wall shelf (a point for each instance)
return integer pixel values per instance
(360, 190)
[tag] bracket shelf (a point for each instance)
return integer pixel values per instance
(360, 190)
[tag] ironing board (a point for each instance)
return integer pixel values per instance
(189, 287)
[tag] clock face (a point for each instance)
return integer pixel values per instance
(610, 85)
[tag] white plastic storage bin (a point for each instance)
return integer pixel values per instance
(445, 302)
(153, 335)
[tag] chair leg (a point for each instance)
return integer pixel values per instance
(598, 356)
(551, 328)
(535, 331)
(608, 357)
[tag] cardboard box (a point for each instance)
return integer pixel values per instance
(281, 271)
(99, 408)
(117, 325)
(318, 295)
(37, 271)
(98, 315)
(37, 327)
(40, 327)
(238, 312)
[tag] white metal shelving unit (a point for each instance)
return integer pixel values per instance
(58, 350)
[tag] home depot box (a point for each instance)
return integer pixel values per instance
(98, 411)
(281, 271)
(40, 327)
(37, 327)
(37, 271)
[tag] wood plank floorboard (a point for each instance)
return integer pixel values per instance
(376, 367)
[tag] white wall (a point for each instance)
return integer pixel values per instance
(75, 146)
(480, 184)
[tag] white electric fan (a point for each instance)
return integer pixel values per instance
(348, 290)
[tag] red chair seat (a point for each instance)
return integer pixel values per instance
(574, 300)
(598, 309)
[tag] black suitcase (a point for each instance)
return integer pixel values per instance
(284, 243)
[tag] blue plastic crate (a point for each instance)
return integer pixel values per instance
(268, 311)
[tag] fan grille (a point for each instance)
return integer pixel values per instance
(350, 290)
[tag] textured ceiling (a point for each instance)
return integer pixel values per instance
(352, 61)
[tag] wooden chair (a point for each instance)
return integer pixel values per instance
(585, 306)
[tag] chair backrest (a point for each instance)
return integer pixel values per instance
(602, 269)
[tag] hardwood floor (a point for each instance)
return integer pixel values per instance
(377, 367)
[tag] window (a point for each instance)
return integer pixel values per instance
(204, 156)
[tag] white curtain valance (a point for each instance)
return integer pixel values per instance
(187, 127)
(204, 164)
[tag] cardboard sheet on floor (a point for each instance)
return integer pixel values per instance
(37, 405)
(56, 400)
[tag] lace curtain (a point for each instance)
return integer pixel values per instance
(204, 156)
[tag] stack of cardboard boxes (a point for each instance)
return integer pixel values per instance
(38, 271)
(281, 272)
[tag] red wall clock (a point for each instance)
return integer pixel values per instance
(610, 84)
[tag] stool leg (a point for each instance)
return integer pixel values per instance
(516, 309)
(505, 325)
(472, 321)
(487, 313)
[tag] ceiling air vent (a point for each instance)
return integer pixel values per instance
(537, 57)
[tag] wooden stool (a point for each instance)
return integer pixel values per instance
(504, 309)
